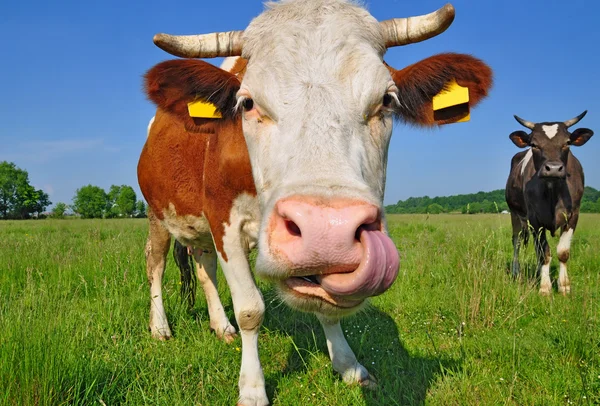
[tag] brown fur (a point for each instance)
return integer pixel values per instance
(418, 83)
(173, 84)
(198, 165)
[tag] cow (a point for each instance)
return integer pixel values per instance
(544, 191)
(294, 163)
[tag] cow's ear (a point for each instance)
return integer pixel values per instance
(417, 85)
(580, 136)
(171, 85)
(520, 138)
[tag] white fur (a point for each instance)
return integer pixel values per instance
(550, 130)
(342, 357)
(545, 283)
(190, 230)
(159, 325)
(564, 284)
(229, 63)
(150, 126)
(316, 76)
(247, 299)
(206, 269)
(314, 82)
(525, 160)
(564, 244)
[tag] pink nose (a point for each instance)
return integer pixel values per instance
(336, 244)
(316, 237)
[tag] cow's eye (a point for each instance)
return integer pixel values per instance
(534, 146)
(248, 104)
(387, 100)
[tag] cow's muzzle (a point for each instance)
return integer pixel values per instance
(335, 250)
(553, 170)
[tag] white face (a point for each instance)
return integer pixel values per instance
(317, 117)
(317, 124)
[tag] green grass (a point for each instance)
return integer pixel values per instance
(454, 329)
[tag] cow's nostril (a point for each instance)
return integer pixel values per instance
(560, 169)
(293, 228)
(373, 226)
(547, 168)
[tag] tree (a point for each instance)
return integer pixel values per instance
(140, 209)
(435, 208)
(59, 210)
(90, 202)
(18, 199)
(126, 201)
(121, 201)
(111, 196)
(475, 208)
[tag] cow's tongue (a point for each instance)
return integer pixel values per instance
(375, 274)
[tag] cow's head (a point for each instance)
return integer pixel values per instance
(550, 144)
(317, 104)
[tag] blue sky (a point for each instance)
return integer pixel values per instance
(72, 111)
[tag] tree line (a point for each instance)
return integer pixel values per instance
(474, 203)
(20, 200)
(120, 201)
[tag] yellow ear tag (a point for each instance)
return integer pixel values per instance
(203, 109)
(453, 101)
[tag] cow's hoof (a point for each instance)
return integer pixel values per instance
(359, 375)
(253, 397)
(564, 290)
(227, 335)
(545, 291)
(161, 335)
(369, 383)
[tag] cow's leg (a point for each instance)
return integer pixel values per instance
(157, 248)
(249, 309)
(342, 357)
(563, 250)
(206, 269)
(517, 237)
(544, 258)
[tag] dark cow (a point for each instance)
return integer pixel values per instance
(544, 191)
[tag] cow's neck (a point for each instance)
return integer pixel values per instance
(548, 197)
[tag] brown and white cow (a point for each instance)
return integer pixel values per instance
(544, 191)
(296, 164)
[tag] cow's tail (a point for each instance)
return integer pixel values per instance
(185, 263)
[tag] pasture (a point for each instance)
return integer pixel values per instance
(454, 328)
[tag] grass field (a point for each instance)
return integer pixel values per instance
(454, 329)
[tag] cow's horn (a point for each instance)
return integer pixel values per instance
(217, 44)
(525, 123)
(404, 31)
(575, 120)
